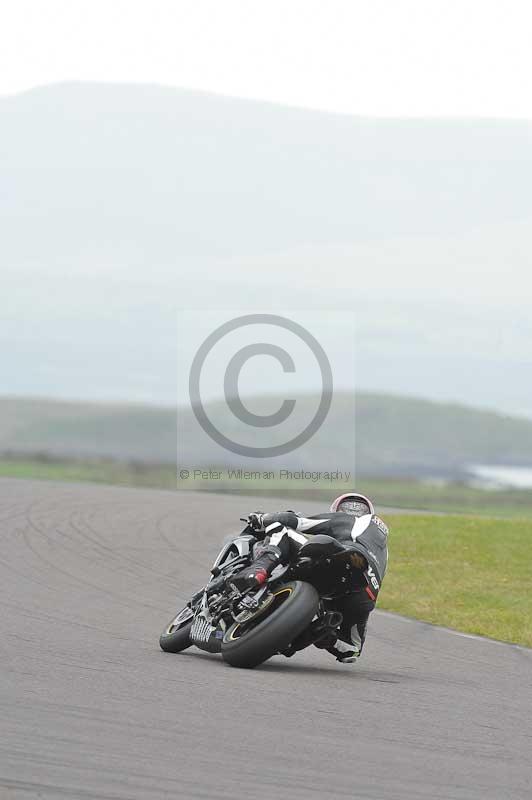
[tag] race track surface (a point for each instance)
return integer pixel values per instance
(91, 708)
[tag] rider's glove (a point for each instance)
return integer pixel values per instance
(255, 521)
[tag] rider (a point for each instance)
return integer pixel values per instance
(351, 519)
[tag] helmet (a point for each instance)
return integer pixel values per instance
(352, 503)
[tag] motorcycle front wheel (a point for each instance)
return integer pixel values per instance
(251, 643)
(176, 635)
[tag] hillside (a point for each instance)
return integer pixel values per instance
(122, 204)
(395, 436)
(93, 165)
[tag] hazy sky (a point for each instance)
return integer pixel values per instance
(382, 57)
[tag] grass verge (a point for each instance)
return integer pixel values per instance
(450, 498)
(467, 573)
(115, 473)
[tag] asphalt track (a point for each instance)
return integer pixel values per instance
(91, 708)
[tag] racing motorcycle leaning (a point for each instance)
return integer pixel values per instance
(291, 610)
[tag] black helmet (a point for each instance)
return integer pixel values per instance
(352, 503)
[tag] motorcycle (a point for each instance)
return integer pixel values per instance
(291, 610)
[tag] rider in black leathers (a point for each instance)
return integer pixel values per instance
(352, 520)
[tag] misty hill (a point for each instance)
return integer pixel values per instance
(394, 435)
(121, 204)
(137, 174)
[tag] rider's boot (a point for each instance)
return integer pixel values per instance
(349, 652)
(259, 571)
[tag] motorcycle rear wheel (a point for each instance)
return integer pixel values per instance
(249, 644)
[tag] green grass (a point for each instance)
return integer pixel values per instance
(407, 494)
(159, 476)
(466, 573)
(451, 497)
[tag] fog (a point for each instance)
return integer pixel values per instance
(124, 206)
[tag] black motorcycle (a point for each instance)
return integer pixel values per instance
(294, 608)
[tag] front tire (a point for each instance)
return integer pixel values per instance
(294, 607)
(176, 635)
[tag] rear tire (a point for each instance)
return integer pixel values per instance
(248, 649)
(176, 635)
